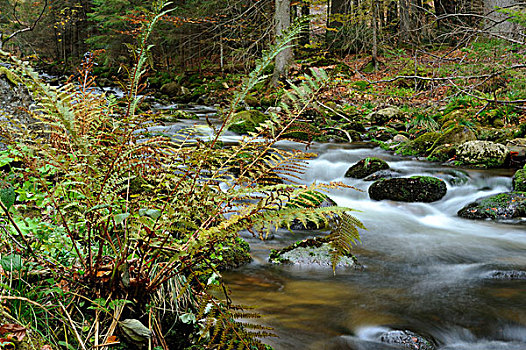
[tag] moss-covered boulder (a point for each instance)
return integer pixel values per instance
(310, 252)
(503, 206)
(366, 167)
(246, 121)
(442, 153)
(385, 115)
(483, 154)
(420, 145)
(519, 180)
(456, 135)
(232, 255)
(495, 134)
(411, 189)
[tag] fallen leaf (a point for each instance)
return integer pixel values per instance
(46, 347)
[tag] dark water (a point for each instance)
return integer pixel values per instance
(425, 269)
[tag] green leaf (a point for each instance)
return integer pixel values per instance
(151, 213)
(119, 218)
(11, 262)
(8, 196)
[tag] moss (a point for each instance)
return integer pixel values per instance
(366, 167)
(246, 121)
(519, 180)
(232, 255)
(420, 145)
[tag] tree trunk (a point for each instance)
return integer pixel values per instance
(282, 23)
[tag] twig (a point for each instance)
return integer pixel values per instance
(77, 335)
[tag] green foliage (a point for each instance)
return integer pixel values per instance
(127, 221)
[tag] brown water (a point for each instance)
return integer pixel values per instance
(425, 270)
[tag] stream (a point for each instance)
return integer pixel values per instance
(424, 269)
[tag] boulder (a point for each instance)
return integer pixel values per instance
(484, 154)
(407, 340)
(503, 206)
(409, 189)
(311, 252)
(382, 174)
(517, 149)
(456, 135)
(519, 180)
(508, 275)
(366, 167)
(15, 100)
(420, 145)
(171, 89)
(400, 138)
(246, 121)
(384, 115)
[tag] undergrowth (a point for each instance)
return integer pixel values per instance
(114, 232)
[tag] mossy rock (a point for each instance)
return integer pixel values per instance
(420, 145)
(482, 154)
(406, 340)
(494, 134)
(503, 206)
(246, 121)
(366, 167)
(456, 135)
(310, 252)
(442, 153)
(519, 180)
(412, 189)
(385, 115)
(233, 255)
(381, 133)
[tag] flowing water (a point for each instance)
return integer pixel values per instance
(424, 269)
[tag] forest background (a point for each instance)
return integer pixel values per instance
(106, 228)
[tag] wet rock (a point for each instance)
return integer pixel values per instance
(484, 154)
(232, 255)
(503, 206)
(382, 174)
(15, 100)
(519, 180)
(407, 340)
(442, 153)
(366, 167)
(174, 89)
(508, 275)
(246, 121)
(312, 251)
(382, 116)
(411, 189)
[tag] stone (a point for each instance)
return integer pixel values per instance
(420, 145)
(409, 189)
(400, 138)
(503, 206)
(517, 146)
(171, 89)
(519, 180)
(382, 174)
(384, 115)
(455, 135)
(366, 167)
(508, 275)
(311, 252)
(484, 154)
(407, 340)
(246, 121)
